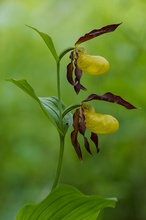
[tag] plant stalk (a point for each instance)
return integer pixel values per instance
(61, 134)
(61, 153)
(59, 95)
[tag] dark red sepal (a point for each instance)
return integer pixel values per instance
(78, 73)
(69, 74)
(87, 145)
(109, 97)
(74, 74)
(97, 32)
(74, 134)
(78, 87)
(94, 138)
(82, 130)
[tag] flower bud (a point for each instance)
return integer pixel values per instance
(99, 123)
(93, 65)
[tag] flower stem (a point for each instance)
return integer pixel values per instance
(69, 108)
(58, 171)
(65, 51)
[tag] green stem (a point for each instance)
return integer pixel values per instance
(58, 171)
(59, 95)
(65, 52)
(61, 135)
(69, 108)
(61, 132)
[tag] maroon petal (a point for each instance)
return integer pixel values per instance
(78, 73)
(82, 125)
(76, 144)
(82, 129)
(79, 87)
(97, 32)
(74, 134)
(109, 97)
(94, 138)
(87, 146)
(70, 73)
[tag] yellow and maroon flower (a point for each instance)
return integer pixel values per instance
(85, 117)
(92, 65)
(83, 62)
(99, 123)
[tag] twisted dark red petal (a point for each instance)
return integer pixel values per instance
(70, 73)
(94, 138)
(82, 130)
(74, 134)
(109, 97)
(97, 32)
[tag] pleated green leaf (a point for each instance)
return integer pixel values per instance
(48, 41)
(49, 105)
(66, 203)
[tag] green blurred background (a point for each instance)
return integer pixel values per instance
(29, 142)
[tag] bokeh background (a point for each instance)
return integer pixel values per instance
(29, 142)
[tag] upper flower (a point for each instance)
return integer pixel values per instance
(93, 65)
(83, 62)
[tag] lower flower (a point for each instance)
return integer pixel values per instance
(84, 118)
(99, 123)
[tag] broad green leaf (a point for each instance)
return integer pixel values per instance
(66, 203)
(49, 42)
(49, 105)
